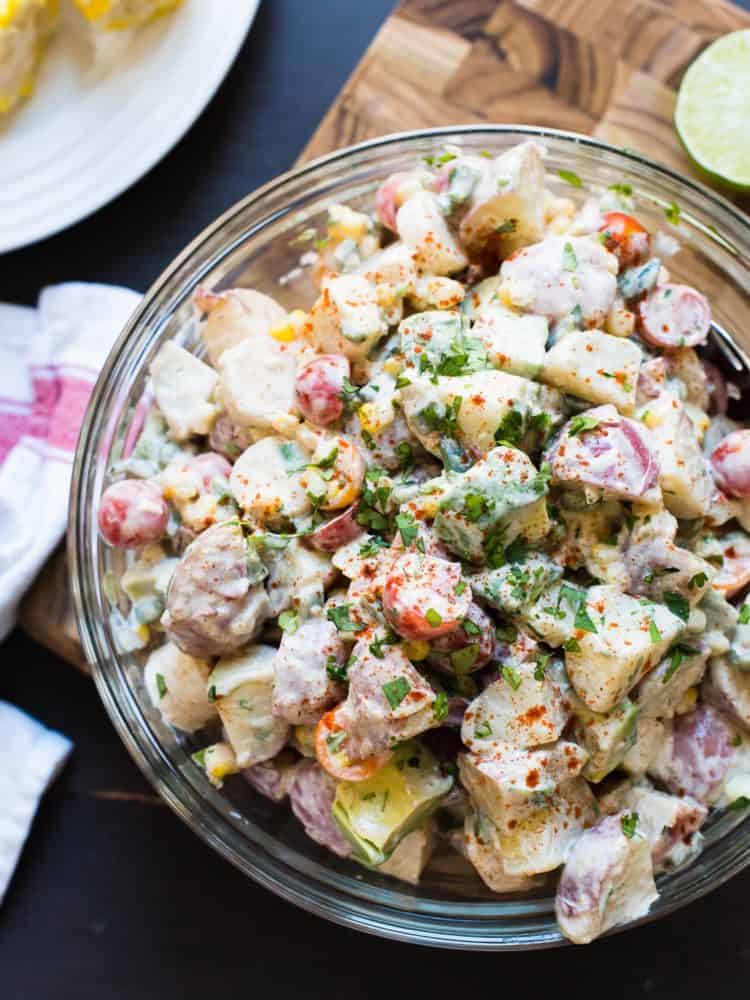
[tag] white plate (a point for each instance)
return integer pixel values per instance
(81, 141)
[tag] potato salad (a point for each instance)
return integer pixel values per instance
(453, 556)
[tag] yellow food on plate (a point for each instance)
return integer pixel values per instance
(119, 15)
(24, 28)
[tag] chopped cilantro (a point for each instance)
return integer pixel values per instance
(653, 631)
(460, 588)
(407, 527)
(442, 419)
(372, 546)
(677, 604)
(744, 616)
(161, 685)
(470, 628)
(350, 393)
(672, 212)
(483, 731)
(334, 740)
(581, 424)
(621, 188)
(288, 621)
(511, 428)
(440, 707)
(396, 690)
(570, 261)
(339, 615)
(212, 693)
(629, 824)
(572, 646)
(540, 482)
(570, 178)
(475, 504)
(698, 581)
(511, 676)
(540, 669)
(516, 552)
(583, 619)
(741, 803)
(376, 646)
(199, 757)
(402, 381)
(405, 454)
(438, 161)
(433, 617)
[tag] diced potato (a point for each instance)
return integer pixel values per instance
(481, 845)
(176, 685)
(521, 709)
(242, 686)
(346, 319)
(499, 499)
(620, 642)
(552, 615)
(264, 484)
(422, 227)
(684, 476)
(184, 389)
(412, 855)
(297, 577)
(514, 342)
(489, 403)
(235, 316)
(535, 799)
(256, 385)
(507, 205)
(595, 366)
(218, 761)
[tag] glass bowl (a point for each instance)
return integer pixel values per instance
(250, 246)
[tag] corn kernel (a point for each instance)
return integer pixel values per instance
(368, 418)
(416, 649)
(393, 366)
(688, 701)
(284, 333)
(142, 631)
(305, 739)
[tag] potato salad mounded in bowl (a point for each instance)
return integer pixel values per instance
(455, 554)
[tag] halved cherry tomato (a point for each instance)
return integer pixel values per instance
(329, 749)
(730, 461)
(734, 573)
(625, 237)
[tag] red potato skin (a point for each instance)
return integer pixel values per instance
(673, 316)
(318, 389)
(341, 530)
(132, 513)
(626, 238)
(730, 462)
(208, 466)
(386, 204)
(460, 639)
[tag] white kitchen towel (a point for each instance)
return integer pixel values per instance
(49, 360)
(30, 759)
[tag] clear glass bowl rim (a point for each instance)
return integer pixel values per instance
(495, 927)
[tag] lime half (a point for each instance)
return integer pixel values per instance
(713, 110)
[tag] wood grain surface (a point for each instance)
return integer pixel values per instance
(608, 68)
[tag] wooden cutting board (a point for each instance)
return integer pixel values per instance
(609, 68)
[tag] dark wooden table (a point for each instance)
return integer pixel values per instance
(114, 897)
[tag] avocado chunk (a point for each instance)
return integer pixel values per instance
(377, 813)
(514, 586)
(607, 736)
(496, 501)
